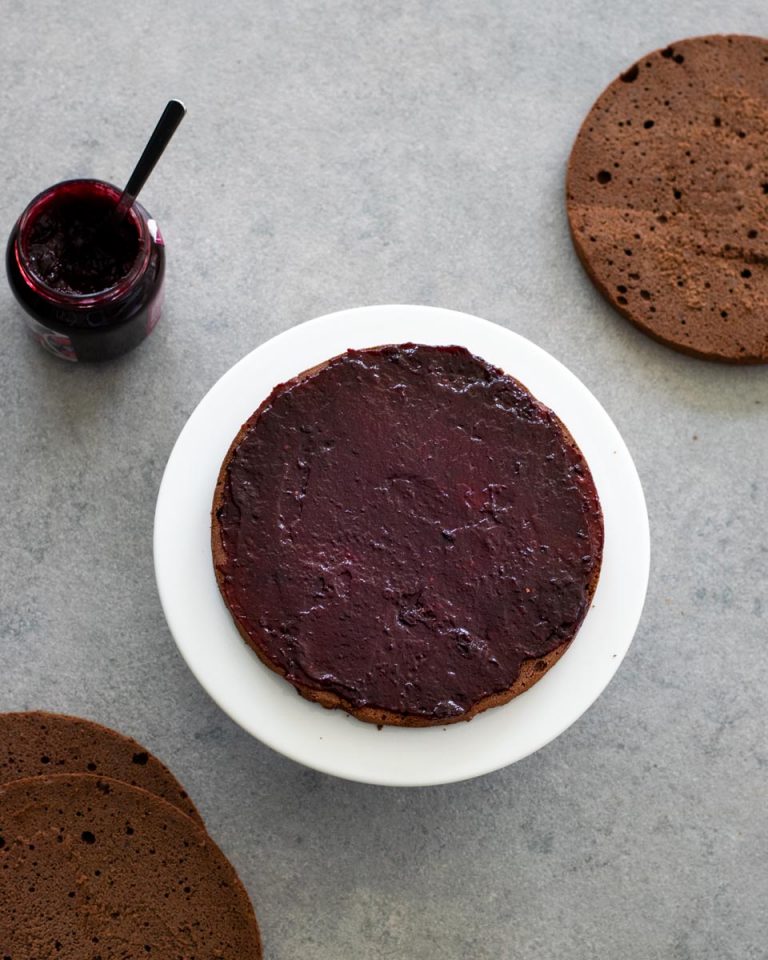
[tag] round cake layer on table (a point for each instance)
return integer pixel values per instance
(92, 867)
(35, 743)
(667, 192)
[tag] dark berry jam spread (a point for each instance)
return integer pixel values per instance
(404, 527)
(75, 247)
(91, 284)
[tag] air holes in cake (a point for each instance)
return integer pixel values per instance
(629, 76)
(717, 122)
(604, 176)
(622, 301)
(645, 294)
(724, 314)
(752, 234)
(648, 124)
(677, 194)
(87, 837)
(746, 274)
(141, 758)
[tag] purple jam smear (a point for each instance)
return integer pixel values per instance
(74, 249)
(405, 528)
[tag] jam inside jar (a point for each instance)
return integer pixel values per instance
(92, 287)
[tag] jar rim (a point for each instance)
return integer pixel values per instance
(136, 214)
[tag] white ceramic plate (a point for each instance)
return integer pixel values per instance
(331, 741)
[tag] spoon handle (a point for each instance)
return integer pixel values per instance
(161, 135)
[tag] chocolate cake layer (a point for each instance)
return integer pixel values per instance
(667, 192)
(404, 532)
(35, 743)
(94, 869)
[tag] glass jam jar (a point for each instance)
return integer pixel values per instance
(92, 287)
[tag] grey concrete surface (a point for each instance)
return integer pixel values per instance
(346, 152)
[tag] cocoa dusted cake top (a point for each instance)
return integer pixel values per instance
(404, 527)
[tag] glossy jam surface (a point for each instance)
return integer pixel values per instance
(73, 247)
(91, 287)
(405, 527)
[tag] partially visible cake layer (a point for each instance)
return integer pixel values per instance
(93, 868)
(35, 743)
(667, 192)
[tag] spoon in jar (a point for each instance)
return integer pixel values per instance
(166, 127)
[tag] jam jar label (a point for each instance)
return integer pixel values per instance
(154, 232)
(58, 344)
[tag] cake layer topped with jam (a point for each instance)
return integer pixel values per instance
(403, 527)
